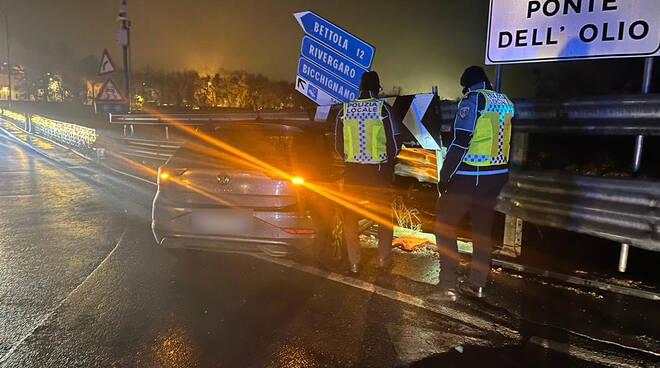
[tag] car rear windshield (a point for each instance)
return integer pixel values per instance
(247, 146)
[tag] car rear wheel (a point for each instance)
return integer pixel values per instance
(330, 245)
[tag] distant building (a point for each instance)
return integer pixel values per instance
(17, 88)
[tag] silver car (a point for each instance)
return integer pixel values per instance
(243, 186)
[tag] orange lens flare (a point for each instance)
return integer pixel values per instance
(379, 214)
(299, 231)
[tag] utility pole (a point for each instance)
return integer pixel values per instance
(124, 39)
(4, 15)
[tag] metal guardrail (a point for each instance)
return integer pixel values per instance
(200, 119)
(157, 151)
(135, 124)
(623, 210)
(15, 116)
(71, 135)
(605, 115)
(612, 115)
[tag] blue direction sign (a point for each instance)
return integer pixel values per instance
(327, 58)
(338, 39)
(334, 86)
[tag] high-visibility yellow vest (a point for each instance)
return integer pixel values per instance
(491, 139)
(365, 141)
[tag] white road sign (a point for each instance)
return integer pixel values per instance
(525, 31)
(107, 66)
(110, 93)
(314, 93)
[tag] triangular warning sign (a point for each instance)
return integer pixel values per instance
(107, 66)
(110, 93)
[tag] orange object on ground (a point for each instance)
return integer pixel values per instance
(409, 243)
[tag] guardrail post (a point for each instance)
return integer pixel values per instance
(623, 257)
(124, 131)
(519, 145)
(512, 243)
(637, 158)
(100, 154)
(132, 130)
(167, 133)
(513, 226)
(28, 123)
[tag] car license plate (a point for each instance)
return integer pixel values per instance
(229, 221)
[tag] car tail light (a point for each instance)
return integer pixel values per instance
(299, 231)
(295, 179)
(166, 174)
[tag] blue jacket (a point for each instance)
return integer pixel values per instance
(469, 110)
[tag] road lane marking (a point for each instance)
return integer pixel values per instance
(395, 295)
(23, 143)
(18, 195)
(46, 317)
(580, 353)
(464, 317)
(129, 175)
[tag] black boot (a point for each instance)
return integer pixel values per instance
(443, 295)
(471, 290)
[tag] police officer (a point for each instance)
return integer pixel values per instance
(365, 137)
(474, 172)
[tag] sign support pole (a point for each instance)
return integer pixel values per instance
(126, 46)
(646, 87)
(513, 226)
(127, 65)
(498, 78)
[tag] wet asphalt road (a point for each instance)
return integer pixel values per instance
(83, 285)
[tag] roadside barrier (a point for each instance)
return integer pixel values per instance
(71, 135)
(157, 151)
(623, 210)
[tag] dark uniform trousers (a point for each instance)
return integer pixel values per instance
(474, 197)
(372, 183)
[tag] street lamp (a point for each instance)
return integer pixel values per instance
(4, 15)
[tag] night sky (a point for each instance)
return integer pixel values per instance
(418, 43)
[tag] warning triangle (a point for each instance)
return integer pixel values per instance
(110, 93)
(107, 66)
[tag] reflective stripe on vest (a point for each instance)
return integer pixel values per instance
(491, 139)
(365, 141)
